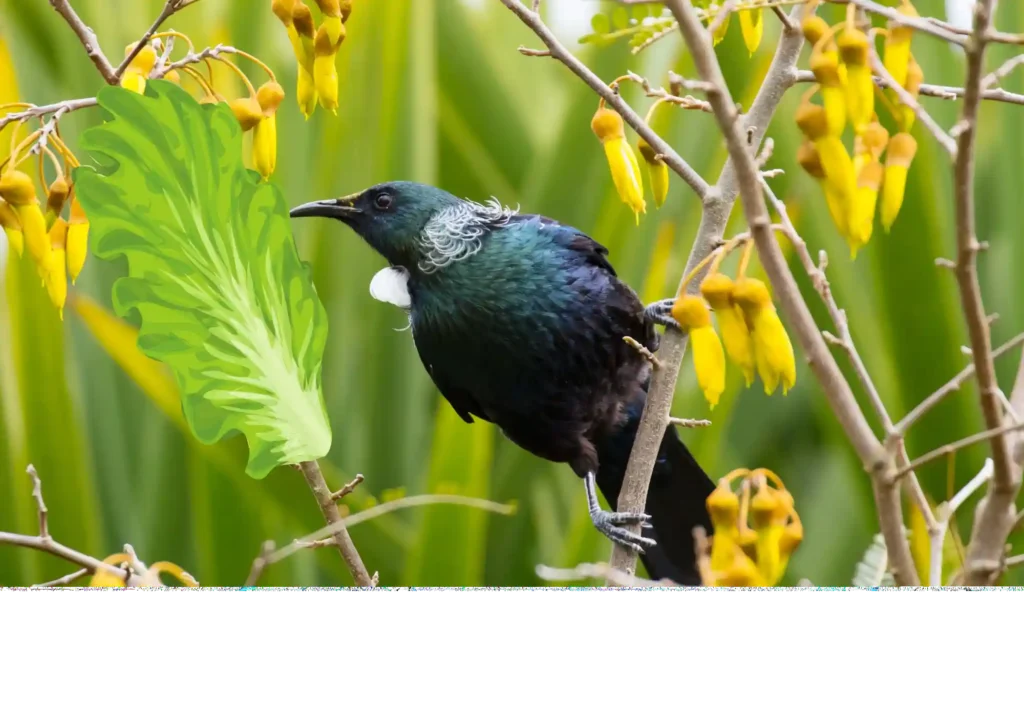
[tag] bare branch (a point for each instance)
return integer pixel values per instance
(922, 24)
(953, 385)
(37, 493)
(943, 451)
(676, 163)
(324, 498)
(64, 580)
(88, 39)
(260, 563)
(643, 351)
(942, 92)
(996, 517)
(871, 452)
(689, 422)
(347, 488)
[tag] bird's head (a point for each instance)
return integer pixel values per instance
(391, 217)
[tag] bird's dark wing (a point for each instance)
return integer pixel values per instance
(595, 253)
(463, 402)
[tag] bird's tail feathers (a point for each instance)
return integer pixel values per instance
(676, 499)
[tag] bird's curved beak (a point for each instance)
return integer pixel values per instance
(341, 208)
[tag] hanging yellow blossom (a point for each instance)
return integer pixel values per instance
(754, 537)
(134, 76)
(866, 198)
(860, 88)
(814, 28)
(609, 128)
(808, 158)
(78, 240)
(897, 45)
(825, 66)
(693, 315)
(833, 159)
(55, 275)
(718, 288)
(657, 171)
(901, 151)
(773, 351)
(752, 27)
(915, 76)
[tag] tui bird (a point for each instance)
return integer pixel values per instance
(519, 320)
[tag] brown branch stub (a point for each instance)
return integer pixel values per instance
(347, 488)
(347, 549)
(88, 39)
(689, 422)
(37, 494)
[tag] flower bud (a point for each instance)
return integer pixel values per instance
(12, 227)
(708, 357)
(144, 61)
(57, 194)
(16, 187)
(77, 241)
(335, 31)
(346, 9)
(329, 7)
(283, 9)
(173, 76)
(773, 351)
(724, 508)
(264, 146)
(860, 88)
(902, 148)
(814, 28)
(269, 96)
(302, 19)
(247, 111)
(657, 171)
(717, 289)
(752, 27)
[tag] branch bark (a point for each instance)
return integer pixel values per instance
(88, 39)
(347, 549)
(996, 513)
(872, 453)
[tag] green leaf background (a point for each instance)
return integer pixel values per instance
(214, 275)
(434, 91)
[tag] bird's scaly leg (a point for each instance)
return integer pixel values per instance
(660, 312)
(609, 523)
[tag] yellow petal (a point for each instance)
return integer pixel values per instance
(264, 146)
(33, 225)
(133, 80)
(720, 31)
(709, 362)
(626, 174)
(752, 27)
(860, 96)
(78, 248)
(325, 77)
(305, 92)
(773, 351)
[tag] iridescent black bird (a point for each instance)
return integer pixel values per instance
(519, 320)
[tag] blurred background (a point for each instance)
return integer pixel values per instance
(434, 91)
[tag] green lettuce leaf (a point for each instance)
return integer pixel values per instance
(213, 273)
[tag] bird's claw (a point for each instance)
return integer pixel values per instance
(609, 524)
(660, 312)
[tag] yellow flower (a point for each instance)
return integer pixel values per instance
(608, 127)
(724, 509)
(247, 111)
(915, 76)
(833, 159)
(305, 92)
(708, 357)
(55, 275)
(813, 28)
(860, 88)
(752, 27)
(902, 148)
(717, 289)
(657, 171)
(869, 145)
(16, 187)
(810, 160)
(33, 225)
(897, 45)
(720, 31)
(134, 76)
(283, 9)
(298, 21)
(264, 146)
(12, 227)
(825, 66)
(865, 200)
(78, 240)
(772, 350)
(269, 96)
(325, 73)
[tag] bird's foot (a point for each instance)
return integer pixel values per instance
(660, 312)
(610, 523)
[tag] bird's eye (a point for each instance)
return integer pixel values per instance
(383, 201)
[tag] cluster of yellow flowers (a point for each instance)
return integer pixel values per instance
(751, 26)
(755, 531)
(316, 50)
(257, 111)
(755, 339)
(840, 63)
(58, 246)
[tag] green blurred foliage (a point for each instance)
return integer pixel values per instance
(434, 91)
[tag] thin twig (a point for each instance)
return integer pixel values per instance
(689, 422)
(643, 351)
(942, 92)
(347, 549)
(943, 451)
(260, 563)
(558, 51)
(946, 511)
(37, 493)
(347, 488)
(62, 107)
(834, 385)
(88, 39)
(922, 24)
(341, 525)
(951, 386)
(601, 571)
(887, 81)
(64, 580)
